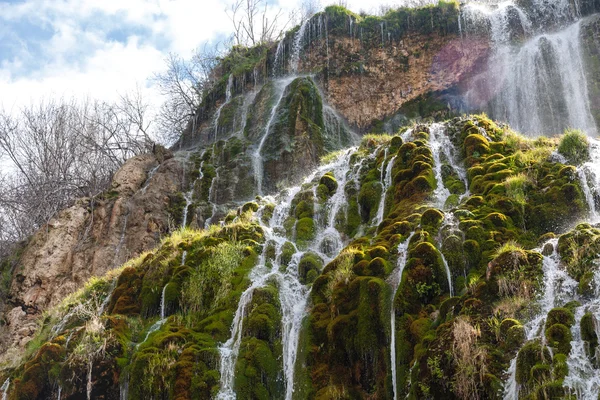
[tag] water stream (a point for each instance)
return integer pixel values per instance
(293, 295)
(394, 280)
(228, 91)
(4, 389)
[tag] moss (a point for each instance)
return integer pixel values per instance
(287, 251)
(561, 369)
(329, 181)
(559, 315)
(574, 145)
(309, 267)
(589, 335)
(368, 199)
(250, 206)
(304, 209)
(515, 337)
(531, 354)
(432, 218)
(559, 336)
(305, 231)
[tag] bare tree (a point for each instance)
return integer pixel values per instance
(308, 8)
(183, 84)
(57, 151)
(255, 23)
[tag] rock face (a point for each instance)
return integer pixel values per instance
(90, 238)
(376, 84)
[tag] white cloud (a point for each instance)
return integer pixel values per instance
(96, 48)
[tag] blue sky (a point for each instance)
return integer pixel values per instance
(100, 48)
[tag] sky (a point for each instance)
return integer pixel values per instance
(102, 48)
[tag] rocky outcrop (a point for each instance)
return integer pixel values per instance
(90, 238)
(366, 84)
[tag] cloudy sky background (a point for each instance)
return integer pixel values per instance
(100, 48)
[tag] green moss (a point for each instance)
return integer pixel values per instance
(329, 181)
(531, 354)
(574, 146)
(309, 267)
(432, 219)
(559, 315)
(559, 336)
(368, 199)
(305, 231)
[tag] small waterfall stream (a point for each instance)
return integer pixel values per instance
(386, 182)
(583, 379)
(4, 389)
(257, 160)
(559, 287)
(394, 280)
(228, 91)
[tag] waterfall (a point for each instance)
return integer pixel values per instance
(257, 161)
(386, 182)
(437, 141)
(539, 86)
(188, 202)
(448, 274)
(583, 379)
(212, 199)
(279, 58)
(559, 288)
(121, 240)
(162, 302)
(183, 257)
(149, 178)
(124, 388)
(111, 289)
(4, 389)
(394, 280)
(89, 384)
(293, 295)
(228, 90)
(297, 49)
(589, 173)
(58, 396)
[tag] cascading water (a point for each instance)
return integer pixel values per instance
(149, 178)
(583, 379)
(589, 177)
(386, 182)
(90, 385)
(121, 240)
(4, 389)
(559, 288)
(441, 146)
(124, 388)
(297, 49)
(257, 160)
(394, 280)
(539, 86)
(293, 295)
(228, 91)
(162, 302)
(212, 199)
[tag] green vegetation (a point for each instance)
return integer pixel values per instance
(574, 146)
